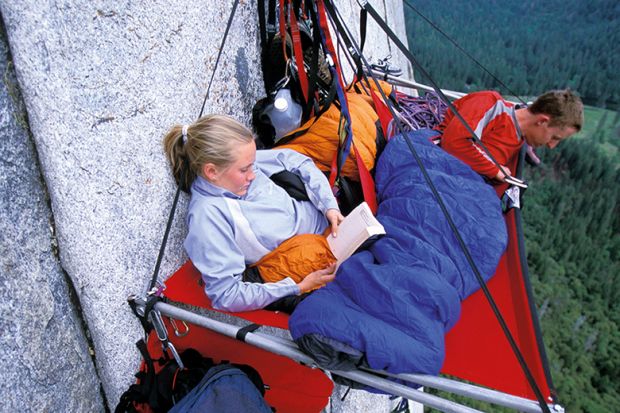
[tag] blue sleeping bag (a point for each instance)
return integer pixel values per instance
(390, 306)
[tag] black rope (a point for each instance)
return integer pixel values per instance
(162, 248)
(451, 40)
(219, 54)
(443, 207)
(438, 90)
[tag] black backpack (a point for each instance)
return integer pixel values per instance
(279, 73)
(172, 385)
(225, 388)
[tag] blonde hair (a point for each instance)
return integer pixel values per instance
(211, 139)
(563, 106)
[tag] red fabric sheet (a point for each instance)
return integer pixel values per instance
(477, 349)
(292, 387)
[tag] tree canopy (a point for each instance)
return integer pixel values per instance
(572, 210)
(529, 45)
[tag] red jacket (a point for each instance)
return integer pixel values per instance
(493, 120)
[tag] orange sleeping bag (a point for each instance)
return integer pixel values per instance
(320, 141)
(296, 257)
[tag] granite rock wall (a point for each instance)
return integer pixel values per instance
(101, 82)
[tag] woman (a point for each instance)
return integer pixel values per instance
(237, 214)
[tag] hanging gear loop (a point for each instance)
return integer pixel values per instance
(178, 332)
(162, 334)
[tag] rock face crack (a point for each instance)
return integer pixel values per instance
(99, 121)
(47, 366)
(101, 13)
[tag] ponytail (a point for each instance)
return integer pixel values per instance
(176, 152)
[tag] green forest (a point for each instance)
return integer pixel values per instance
(571, 211)
(530, 45)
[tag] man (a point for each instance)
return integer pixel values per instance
(503, 128)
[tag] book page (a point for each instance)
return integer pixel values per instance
(356, 228)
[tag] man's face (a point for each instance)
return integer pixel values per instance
(541, 134)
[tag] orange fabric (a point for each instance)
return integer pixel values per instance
(320, 142)
(296, 257)
(387, 88)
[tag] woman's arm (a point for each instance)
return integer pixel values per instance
(211, 246)
(317, 186)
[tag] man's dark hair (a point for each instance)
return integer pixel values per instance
(563, 106)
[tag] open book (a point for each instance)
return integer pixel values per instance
(357, 227)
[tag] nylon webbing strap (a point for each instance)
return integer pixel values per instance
(162, 248)
(298, 53)
(312, 105)
(271, 20)
(539, 396)
(355, 54)
(243, 331)
(282, 23)
(346, 134)
(418, 66)
(342, 98)
(262, 25)
(363, 25)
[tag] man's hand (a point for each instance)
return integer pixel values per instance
(501, 176)
(334, 217)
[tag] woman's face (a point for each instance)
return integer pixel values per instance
(237, 176)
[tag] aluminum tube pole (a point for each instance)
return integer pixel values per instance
(266, 343)
(229, 330)
(284, 341)
(381, 383)
(414, 85)
(464, 389)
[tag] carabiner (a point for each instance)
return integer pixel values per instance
(177, 333)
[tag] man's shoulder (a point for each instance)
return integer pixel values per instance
(483, 95)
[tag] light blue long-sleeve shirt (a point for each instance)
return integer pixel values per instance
(219, 244)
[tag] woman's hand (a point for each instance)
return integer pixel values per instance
(501, 176)
(334, 217)
(317, 279)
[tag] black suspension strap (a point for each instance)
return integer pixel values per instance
(364, 4)
(363, 25)
(451, 40)
(243, 331)
(162, 248)
(219, 54)
(262, 24)
(414, 62)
